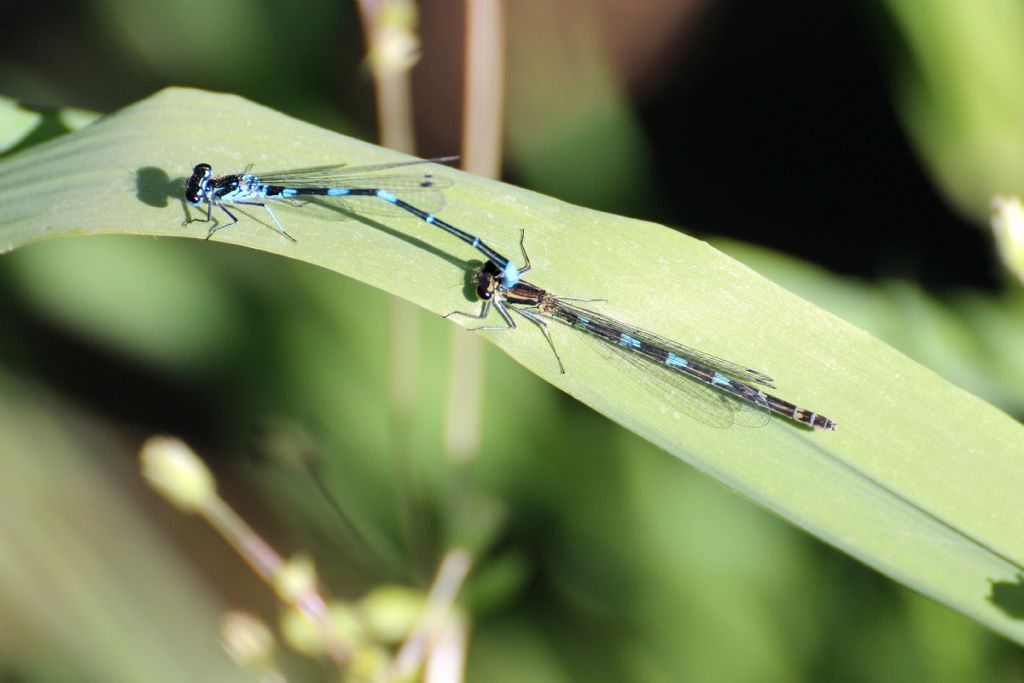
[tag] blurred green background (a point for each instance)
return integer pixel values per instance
(848, 152)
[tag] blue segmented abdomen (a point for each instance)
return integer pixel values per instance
(629, 342)
(675, 361)
(611, 333)
(721, 380)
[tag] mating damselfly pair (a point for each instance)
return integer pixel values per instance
(712, 389)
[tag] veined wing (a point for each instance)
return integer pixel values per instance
(344, 171)
(424, 191)
(680, 392)
(715, 363)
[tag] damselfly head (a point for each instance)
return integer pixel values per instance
(195, 187)
(488, 280)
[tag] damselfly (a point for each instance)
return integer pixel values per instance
(360, 190)
(718, 391)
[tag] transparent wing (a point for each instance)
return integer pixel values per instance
(424, 191)
(682, 393)
(715, 363)
(344, 170)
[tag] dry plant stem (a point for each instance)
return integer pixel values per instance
(438, 611)
(268, 564)
(404, 351)
(481, 148)
(465, 398)
(393, 87)
(391, 80)
(263, 559)
(485, 87)
(447, 661)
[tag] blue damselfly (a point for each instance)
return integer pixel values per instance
(718, 391)
(360, 190)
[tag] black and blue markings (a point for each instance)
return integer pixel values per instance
(719, 390)
(355, 188)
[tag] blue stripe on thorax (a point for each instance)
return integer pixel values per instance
(510, 275)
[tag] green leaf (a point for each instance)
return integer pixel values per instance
(960, 96)
(922, 481)
(23, 125)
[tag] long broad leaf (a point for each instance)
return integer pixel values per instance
(922, 481)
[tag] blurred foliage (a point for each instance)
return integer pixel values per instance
(613, 562)
(22, 126)
(84, 575)
(958, 88)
